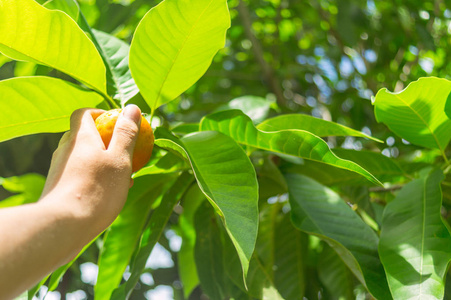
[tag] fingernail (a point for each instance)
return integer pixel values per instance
(132, 112)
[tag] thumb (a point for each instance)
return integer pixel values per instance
(126, 130)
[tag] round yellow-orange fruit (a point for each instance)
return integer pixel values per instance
(144, 144)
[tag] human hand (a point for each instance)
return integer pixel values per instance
(91, 181)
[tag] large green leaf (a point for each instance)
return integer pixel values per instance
(208, 253)
(384, 168)
(299, 143)
(186, 263)
(119, 79)
(417, 114)
(319, 211)
(29, 188)
(174, 44)
(289, 256)
(52, 38)
(152, 233)
(335, 276)
(415, 245)
(39, 104)
(226, 176)
(311, 124)
(123, 235)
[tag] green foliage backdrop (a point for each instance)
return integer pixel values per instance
(301, 146)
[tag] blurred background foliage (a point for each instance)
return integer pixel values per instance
(326, 58)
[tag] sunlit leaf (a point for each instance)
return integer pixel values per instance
(227, 177)
(51, 38)
(173, 46)
(417, 114)
(415, 245)
(292, 142)
(41, 104)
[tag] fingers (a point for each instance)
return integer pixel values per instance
(82, 124)
(126, 130)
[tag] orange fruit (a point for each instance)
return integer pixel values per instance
(144, 144)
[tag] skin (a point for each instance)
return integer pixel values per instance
(86, 188)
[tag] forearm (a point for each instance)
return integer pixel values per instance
(36, 239)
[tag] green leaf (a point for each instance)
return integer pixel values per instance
(155, 227)
(415, 245)
(417, 113)
(70, 7)
(289, 256)
(257, 108)
(51, 38)
(382, 167)
(319, 211)
(169, 163)
(208, 253)
(186, 263)
(311, 124)
(173, 46)
(39, 104)
(29, 188)
(185, 128)
(292, 142)
(120, 83)
(335, 276)
(226, 176)
(122, 237)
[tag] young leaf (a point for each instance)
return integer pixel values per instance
(319, 211)
(51, 38)
(173, 46)
(311, 124)
(41, 104)
(299, 143)
(226, 176)
(415, 245)
(155, 227)
(417, 114)
(120, 83)
(123, 235)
